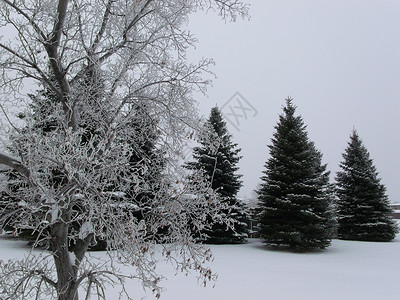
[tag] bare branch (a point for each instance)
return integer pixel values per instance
(44, 277)
(115, 49)
(59, 24)
(29, 19)
(31, 65)
(102, 27)
(14, 164)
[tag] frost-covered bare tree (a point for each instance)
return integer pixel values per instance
(97, 63)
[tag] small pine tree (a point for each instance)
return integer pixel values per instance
(220, 165)
(362, 206)
(295, 197)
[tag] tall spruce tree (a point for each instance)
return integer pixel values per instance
(295, 194)
(220, 165)
(362, 205)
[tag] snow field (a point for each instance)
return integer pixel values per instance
(347, 270)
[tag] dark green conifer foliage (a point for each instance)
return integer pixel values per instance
(221, 165)
(295, 194)
(148, 161)
(148, 164)
(362, 205)
(43, 106)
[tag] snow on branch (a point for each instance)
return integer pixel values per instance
(14, 164)
(99, 137)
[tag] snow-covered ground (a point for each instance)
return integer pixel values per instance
(345, 271)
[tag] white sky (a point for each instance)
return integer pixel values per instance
(339, 60)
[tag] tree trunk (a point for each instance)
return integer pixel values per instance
(67, 288)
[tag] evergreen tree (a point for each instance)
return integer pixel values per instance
(295, 197)
(149, 163)
(220, 165)
(363, 208)
(43, 104)
(146, 160)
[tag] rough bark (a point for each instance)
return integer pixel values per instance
(67, 277)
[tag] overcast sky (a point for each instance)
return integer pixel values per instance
(339, 60)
